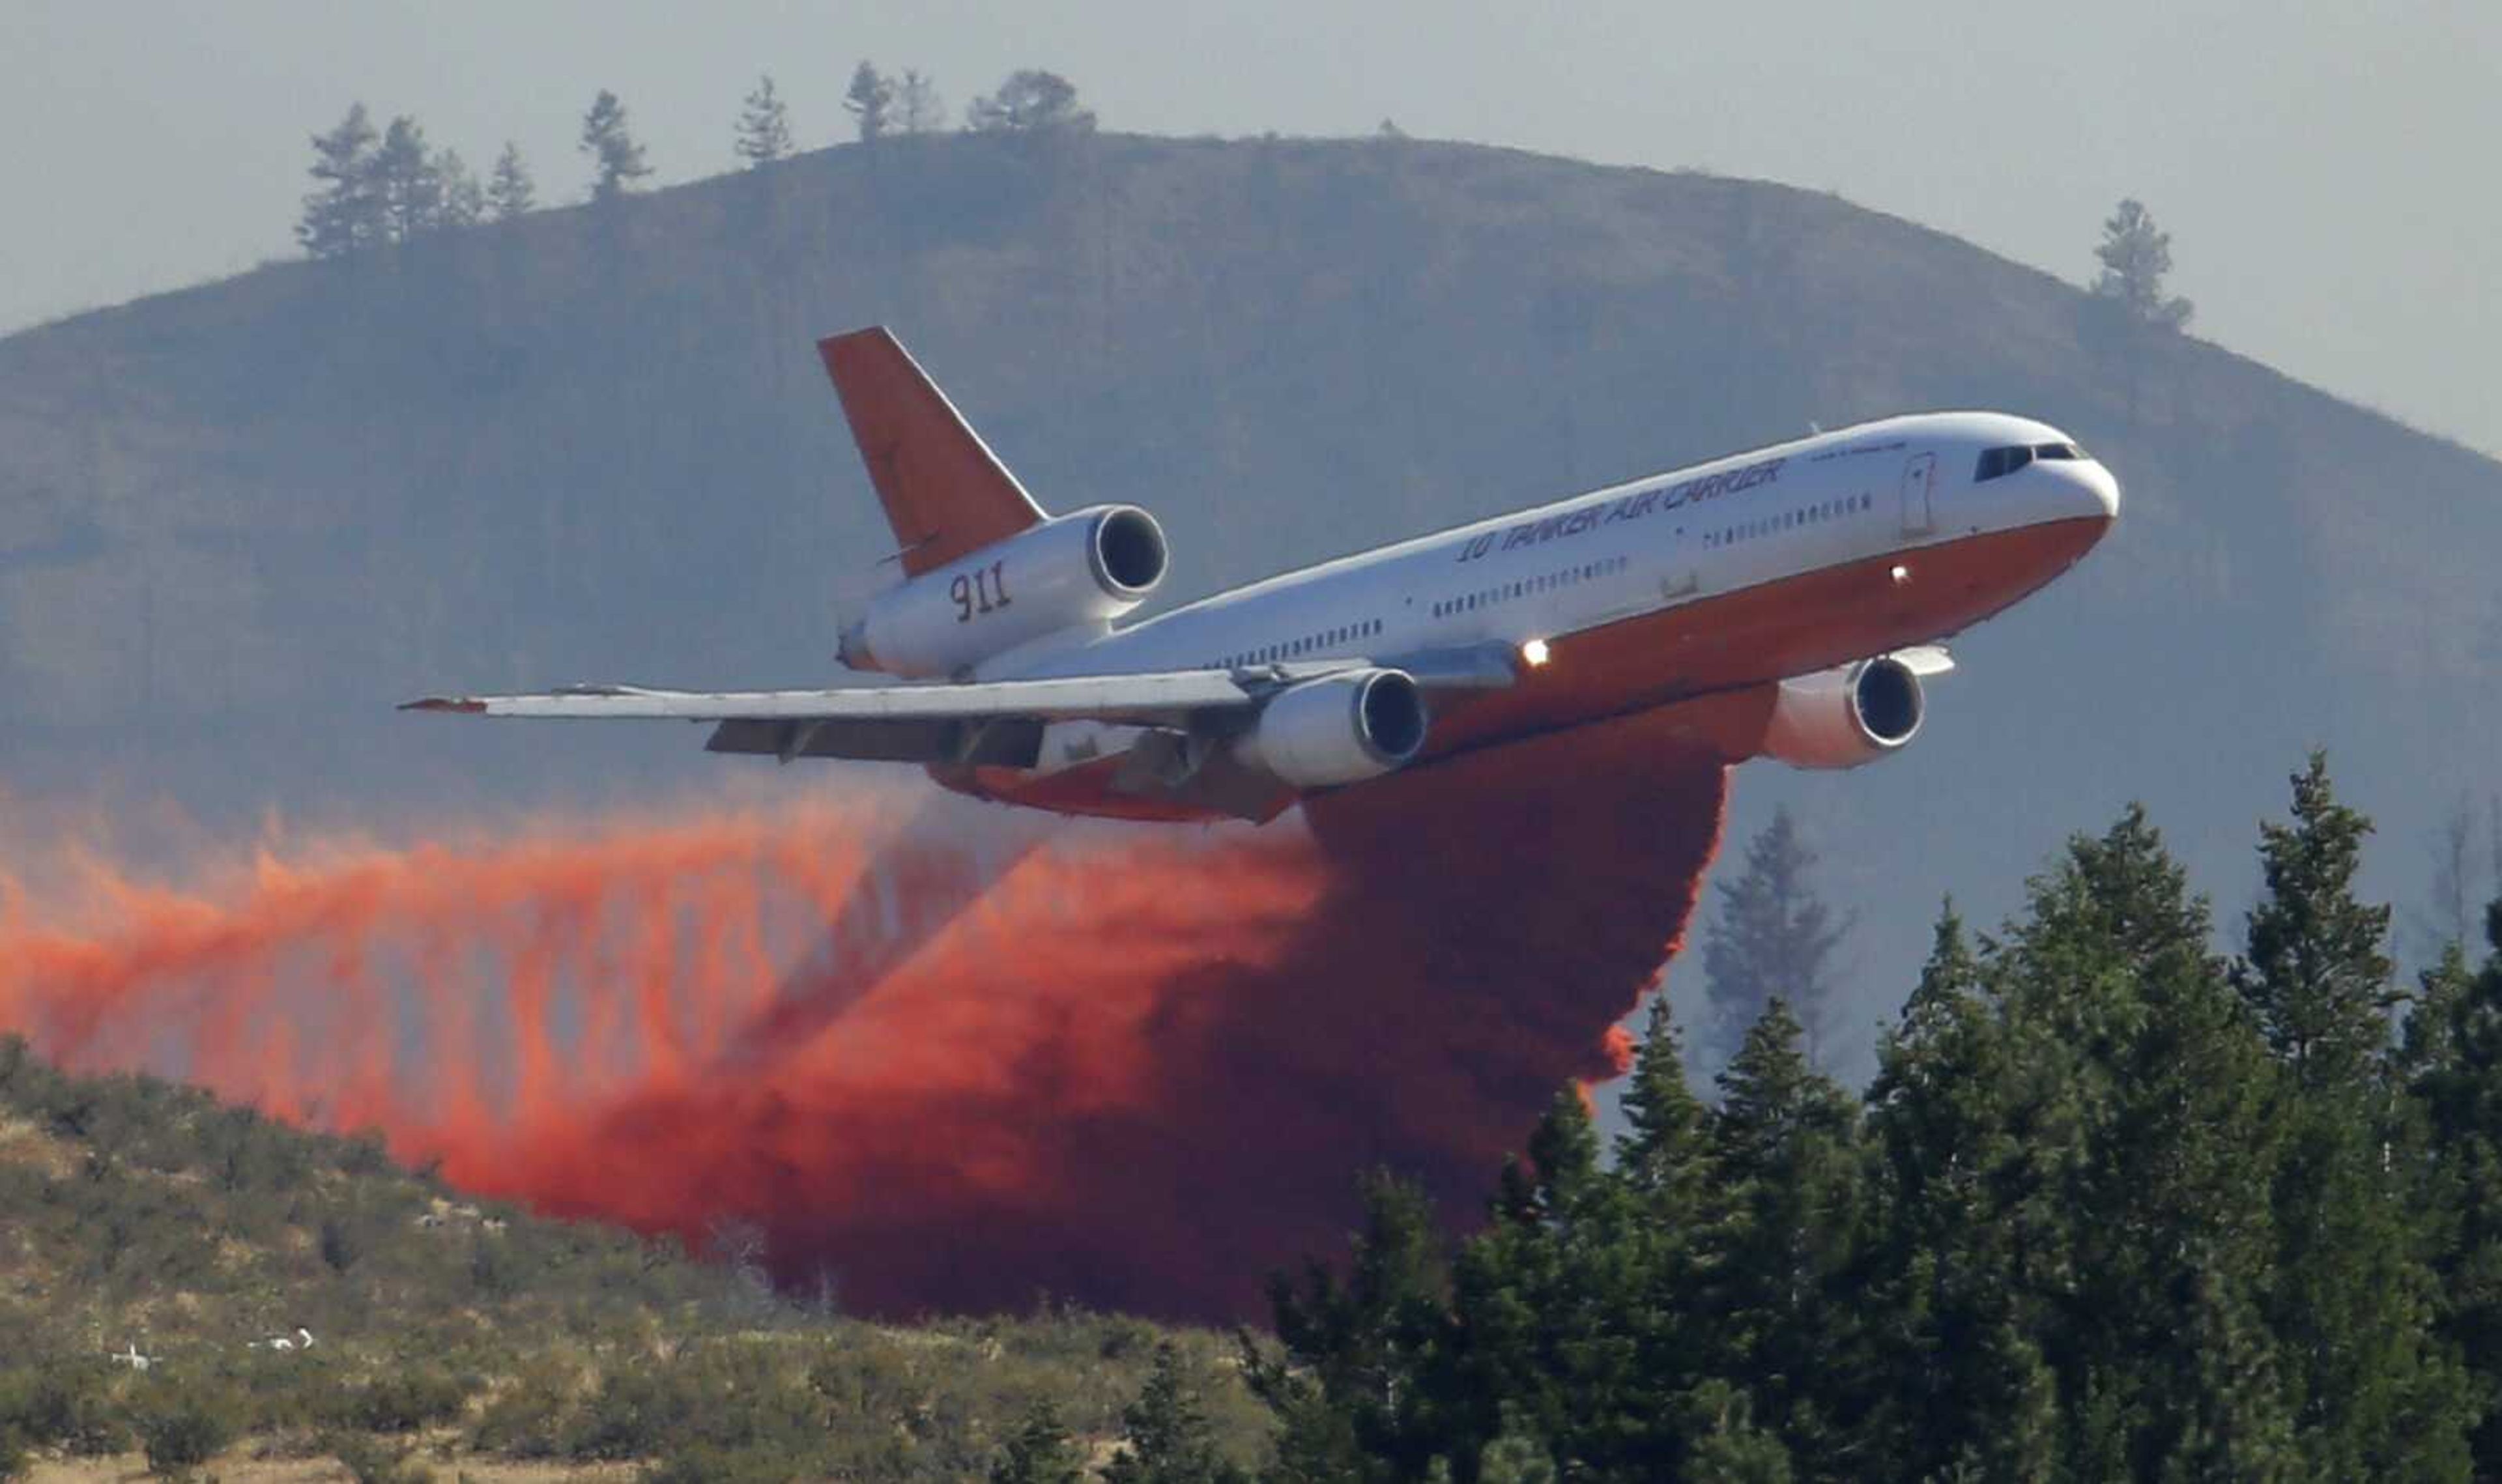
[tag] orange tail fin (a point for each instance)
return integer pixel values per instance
(946, 493)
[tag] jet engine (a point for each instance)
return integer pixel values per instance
(1339, 728)
(1077, 570)
(1841, 717)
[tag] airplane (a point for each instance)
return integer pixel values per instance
(1791, 602)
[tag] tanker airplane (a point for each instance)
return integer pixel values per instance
(1786, 603)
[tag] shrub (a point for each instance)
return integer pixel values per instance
(67, 1404)
(527, 1421)
(13, 1454)
(403, 1403)
(369, 1462)
(182, 1430)
(758, 1464)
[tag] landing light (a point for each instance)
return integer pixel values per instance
(1902, 574)
(1534, 652)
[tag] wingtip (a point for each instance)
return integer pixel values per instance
(463, 704)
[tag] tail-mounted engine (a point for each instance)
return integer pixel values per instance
(1075, 571)
(1842, 718)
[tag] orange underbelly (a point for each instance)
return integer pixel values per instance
(1792, 625)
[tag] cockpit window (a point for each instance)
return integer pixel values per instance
(1998, 463)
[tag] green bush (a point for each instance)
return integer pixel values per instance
(13, 1454)
(369, 1462)
(181, 1430)
(403, 1401)
(527, 1421)
(66, 1404)
(756, 1463)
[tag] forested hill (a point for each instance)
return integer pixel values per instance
(237, 523)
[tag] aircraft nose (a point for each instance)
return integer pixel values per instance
(2102, 486)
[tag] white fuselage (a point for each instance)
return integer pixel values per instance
(1687, 536)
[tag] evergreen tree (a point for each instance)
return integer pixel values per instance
(918, 107)
(405, 183)
(1169, 1441)
(1771, 938)
(1358, 1383)
(1030, 102)
(1786, 1241)
(342, 215)
(763, 127)
(870, 101)
(2316, 972)
(1949, 1113)
(1554, 1310)
(464, 200)
(2158, 1157)
(2349, 1295)
(2455, 1038)
(1038, 1452)
(615, 155)
(1665, 1154)
(2135, 257)
(511, 192)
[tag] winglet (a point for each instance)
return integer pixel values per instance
(946, 493)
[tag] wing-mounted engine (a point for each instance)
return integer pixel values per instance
(1855, 714)
(1075, 571)
(1337, 730)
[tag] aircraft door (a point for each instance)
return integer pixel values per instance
(1919, 489)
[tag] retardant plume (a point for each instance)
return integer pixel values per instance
(1132, 1065)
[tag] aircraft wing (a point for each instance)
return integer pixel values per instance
(1147, 701)
(998, 721)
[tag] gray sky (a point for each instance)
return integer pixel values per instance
(2325, 167)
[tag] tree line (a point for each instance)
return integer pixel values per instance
(388, 186)
(2115, 1205)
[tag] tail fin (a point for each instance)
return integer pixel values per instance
(946, 493)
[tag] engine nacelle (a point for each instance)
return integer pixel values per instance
(1842, 718)
(1339, 728)
(1085, 568)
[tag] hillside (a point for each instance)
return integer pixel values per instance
(140, 1218)
(237, 523)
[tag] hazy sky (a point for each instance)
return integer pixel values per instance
(2326, 168)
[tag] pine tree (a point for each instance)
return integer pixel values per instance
(1773, 937)
(2348, 1295)
(615, 155)
(2154, 1156)
(2315, 970)
(1030, 102)
(870, 101)
(1949, 1114)
(1170, 1438)
(405, 184)
(1554, 1310)
(763, 127)
(2135, 257)
(2456, 1093)
(918, 107)
(1787, 1230)
(1038, 1451)
(464, 200)
(342, 215)
(1665, 1154)
(1361, 1373)
(511, 192)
